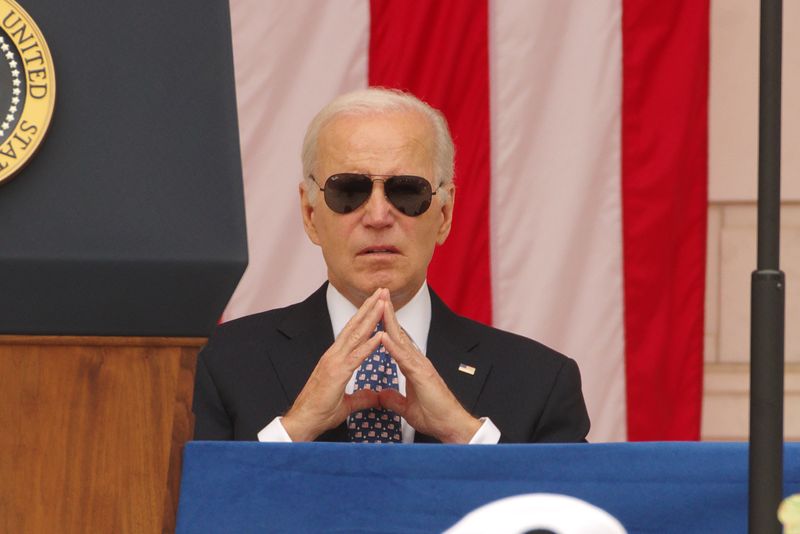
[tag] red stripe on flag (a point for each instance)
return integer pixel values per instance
(664, 198)
(438, 50)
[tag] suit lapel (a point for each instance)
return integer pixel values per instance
(307, 328)
(308, 331)
(450, 347)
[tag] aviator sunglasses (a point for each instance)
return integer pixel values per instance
(347, 191)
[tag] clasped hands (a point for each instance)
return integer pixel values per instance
(429, 406)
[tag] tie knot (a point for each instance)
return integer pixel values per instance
(379, 327)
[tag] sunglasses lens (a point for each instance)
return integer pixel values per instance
(347, 191)
(411, 195)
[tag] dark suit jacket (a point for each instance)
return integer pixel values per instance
(253, 368)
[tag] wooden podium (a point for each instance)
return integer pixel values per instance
(127, 226)
(91, 432)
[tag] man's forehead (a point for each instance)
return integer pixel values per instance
(387, 134)
(348, 126)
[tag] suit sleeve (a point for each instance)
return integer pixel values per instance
(212, 421)
(564, 419)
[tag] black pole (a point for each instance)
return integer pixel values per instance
(767, 297)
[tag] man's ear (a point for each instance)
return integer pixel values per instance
(307, 209)
(447, 213)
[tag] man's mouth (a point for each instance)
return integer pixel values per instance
(378, 249)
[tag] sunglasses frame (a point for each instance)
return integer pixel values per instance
(384, 178)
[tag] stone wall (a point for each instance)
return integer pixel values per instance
(733, 171)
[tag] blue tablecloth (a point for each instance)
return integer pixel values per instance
(316, 487)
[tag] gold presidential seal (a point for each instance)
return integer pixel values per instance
(27, 88)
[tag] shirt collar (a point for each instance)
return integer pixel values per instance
(414, 317)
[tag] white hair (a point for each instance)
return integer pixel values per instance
(381, 100)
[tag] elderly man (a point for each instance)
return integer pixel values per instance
(374, 355)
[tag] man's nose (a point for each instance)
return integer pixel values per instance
(378, 210)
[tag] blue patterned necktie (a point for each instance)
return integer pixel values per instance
(374, 425)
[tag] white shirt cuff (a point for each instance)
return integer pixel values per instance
(275, 433)
(487, 434)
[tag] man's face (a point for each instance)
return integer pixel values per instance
(376, 245)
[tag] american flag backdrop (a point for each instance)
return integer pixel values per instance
(581, 167)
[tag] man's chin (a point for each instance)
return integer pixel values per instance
(391, 285)
(400, 291)
(394, 286)
(371, 280)
(357, 290)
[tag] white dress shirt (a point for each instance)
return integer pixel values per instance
(415, 319)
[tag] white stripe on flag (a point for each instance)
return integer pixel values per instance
(556, 205)
(291, 58)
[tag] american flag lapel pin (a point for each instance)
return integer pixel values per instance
(468, 369)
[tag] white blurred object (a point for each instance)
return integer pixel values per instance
(789, 514)
(560, 514)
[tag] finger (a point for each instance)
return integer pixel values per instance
(362, 399)
(360, 327)
(390, 323)
(398, 334)
(362, 311)
(357, 355)
(407, 357)
(391, 399)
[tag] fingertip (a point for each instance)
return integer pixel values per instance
(392, 399)
(376, 312)
(383, 335)
(363, 399)
(379, 339)
(387, 308)
(376, 296)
